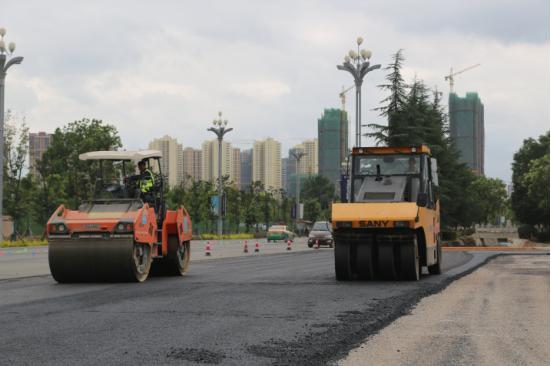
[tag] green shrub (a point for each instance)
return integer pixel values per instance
(23, 243)
(448, 235)
(543, 236)
(526, 231)
(242, 236)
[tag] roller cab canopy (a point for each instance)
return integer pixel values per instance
(134, 156)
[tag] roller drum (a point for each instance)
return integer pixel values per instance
(96, 260)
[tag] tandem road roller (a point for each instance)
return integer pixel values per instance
(389, 225)
(124, 232)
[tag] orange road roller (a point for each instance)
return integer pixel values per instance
(125, 232)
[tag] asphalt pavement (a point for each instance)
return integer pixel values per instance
(255, 310)
(33, 261)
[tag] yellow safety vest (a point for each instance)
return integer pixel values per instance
(147, 181)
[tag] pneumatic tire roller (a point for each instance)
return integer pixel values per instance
(388, 225)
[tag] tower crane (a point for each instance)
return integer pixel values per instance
(342, 95)
(450, 77)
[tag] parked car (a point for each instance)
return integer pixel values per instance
(279, 232)
(321, 233)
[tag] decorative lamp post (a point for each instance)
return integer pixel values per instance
(297, 154)
(6, 61)
(220, 130)
(357, 64)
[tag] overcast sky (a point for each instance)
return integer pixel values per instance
(166, 67)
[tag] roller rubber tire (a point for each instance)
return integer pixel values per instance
(343, 268)
(364, 262)
(386, 262)
(176, 262)
(141, 265)
(179, 254)
(436, 268)
(410, 268)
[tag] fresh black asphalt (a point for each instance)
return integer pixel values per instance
(272, 309)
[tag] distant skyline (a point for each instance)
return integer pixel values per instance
(155, 70)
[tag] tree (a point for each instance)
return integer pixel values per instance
(16, 201)
(312, 209)
(536, 181)
(530, 198)
(78, 177)
(252, 205)
(393, 104)
(197, 201)
(414, 118)
(318, 193)
(234, 209)
(488, 197)
(48, 194)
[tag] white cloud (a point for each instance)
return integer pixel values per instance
(269, 67)
(264, 91)
(116, 89)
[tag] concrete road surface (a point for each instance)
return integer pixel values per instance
(498, 315)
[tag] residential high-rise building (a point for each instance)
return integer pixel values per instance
(309, 163)
(236, 167)
(267, 163)
(332, 143)
(509, 190)
(38, 144)
(172, 163)
(246, 168)
(284, 172)
(210, 161)
(193, 165)
(467, 129)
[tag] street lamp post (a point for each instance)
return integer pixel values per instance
(220, 130)
(5, 63)
(357, 64)
(297, 154)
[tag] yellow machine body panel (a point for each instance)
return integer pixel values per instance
(384, 211)
(385, 215)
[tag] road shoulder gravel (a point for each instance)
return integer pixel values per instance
(498, 315)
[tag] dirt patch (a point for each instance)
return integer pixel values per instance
(532, 272)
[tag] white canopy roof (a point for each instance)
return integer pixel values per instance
(121, 155)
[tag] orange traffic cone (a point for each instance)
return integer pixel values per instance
(207, 249)
(289, 245)
(245, 247)
(257, 247)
